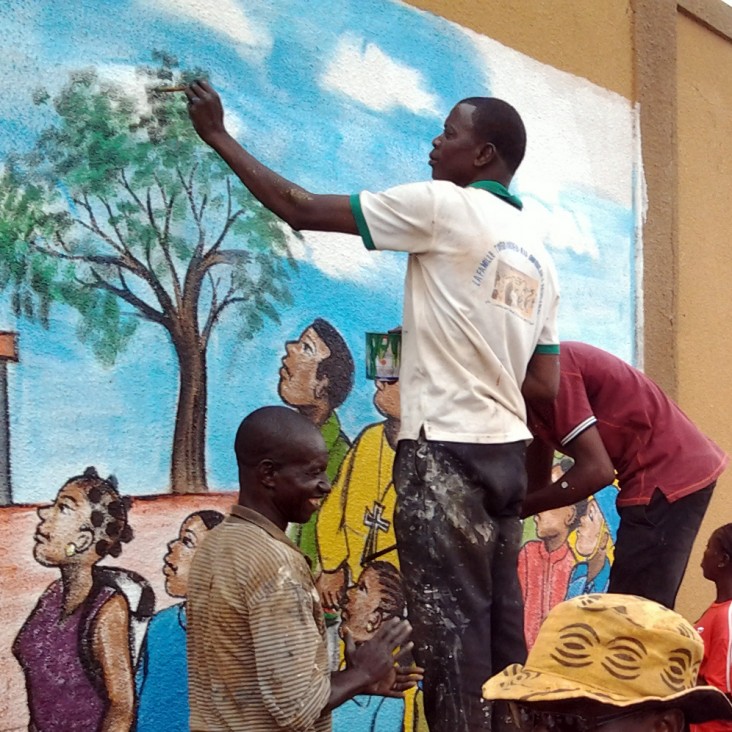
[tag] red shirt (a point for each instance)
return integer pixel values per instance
(651, 442)
(714, 626)
(544, 578)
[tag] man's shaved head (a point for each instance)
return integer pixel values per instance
(271, 433)
(498, 122)
(282, 461)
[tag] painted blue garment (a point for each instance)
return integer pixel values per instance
(161, 679)
(578, 584)
(367, 713)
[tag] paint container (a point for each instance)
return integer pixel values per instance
(383, 356)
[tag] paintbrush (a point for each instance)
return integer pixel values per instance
(166, 89)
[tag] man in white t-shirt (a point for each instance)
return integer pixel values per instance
(479, 335)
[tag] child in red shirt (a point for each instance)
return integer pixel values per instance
(715, 625)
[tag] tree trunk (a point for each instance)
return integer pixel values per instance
(188, 465)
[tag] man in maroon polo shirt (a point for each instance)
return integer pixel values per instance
(611, 418)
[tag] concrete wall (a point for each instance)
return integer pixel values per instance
(340, 96)
(704, 63)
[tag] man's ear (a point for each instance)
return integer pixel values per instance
(321, 388)
(266, 470)
(486, 154)
(670, 720)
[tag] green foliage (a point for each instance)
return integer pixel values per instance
(121, 213)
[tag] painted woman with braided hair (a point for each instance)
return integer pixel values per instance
(75, 646)
(715, 625)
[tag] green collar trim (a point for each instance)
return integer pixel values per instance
(498, 189)
(331, 430)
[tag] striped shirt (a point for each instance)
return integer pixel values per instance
(257, 658)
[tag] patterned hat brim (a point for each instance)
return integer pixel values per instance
(522, 684)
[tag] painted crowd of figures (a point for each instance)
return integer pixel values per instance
(96, 656)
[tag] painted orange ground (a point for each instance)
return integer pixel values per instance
(155, 521)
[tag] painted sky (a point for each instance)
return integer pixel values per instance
(339, 95)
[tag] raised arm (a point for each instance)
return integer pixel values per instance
(592, 471)
(294, 205)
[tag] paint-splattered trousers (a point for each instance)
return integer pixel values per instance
(654, 543)
(458, 535)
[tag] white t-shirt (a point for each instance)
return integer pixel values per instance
(481, 298)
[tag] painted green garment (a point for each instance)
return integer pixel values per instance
(337, 444)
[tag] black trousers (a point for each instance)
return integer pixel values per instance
(458, 535)
(654, 543)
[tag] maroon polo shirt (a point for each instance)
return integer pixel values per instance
(651, 442)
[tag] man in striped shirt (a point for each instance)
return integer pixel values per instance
(257, 658)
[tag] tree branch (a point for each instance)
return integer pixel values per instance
(225, 230)
(215, 314)
(94, 227)
(124, 293)
(131, 190)
(87, 258)
(111, 215)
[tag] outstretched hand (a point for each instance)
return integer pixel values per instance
(405, 675)
(205, 110)
(375, 660)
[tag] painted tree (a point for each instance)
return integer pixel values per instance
(123, 214)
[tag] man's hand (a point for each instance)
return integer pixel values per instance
(205, 110)
(330, 587)
(372, 665)
(374, 659)
(404, 676)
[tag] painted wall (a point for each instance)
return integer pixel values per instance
(104, 231)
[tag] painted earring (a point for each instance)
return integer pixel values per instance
(369, 627)
(70, 549)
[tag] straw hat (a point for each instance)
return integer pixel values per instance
(614, 649)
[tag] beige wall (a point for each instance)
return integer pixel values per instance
(588, 39)
(676, 60)
(704, 83)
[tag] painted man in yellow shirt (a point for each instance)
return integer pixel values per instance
(355, 524)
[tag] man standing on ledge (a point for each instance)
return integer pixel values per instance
(479, 329)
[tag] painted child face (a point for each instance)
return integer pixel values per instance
(590, 531)
(66, 522)
(360, 613)
(386, 399)
(299, 384)
(177, 561)
(554, 522)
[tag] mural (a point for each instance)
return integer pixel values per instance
(145, 299)
(315, 378)
(162, 664)
(567, 552)
(76, 647)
